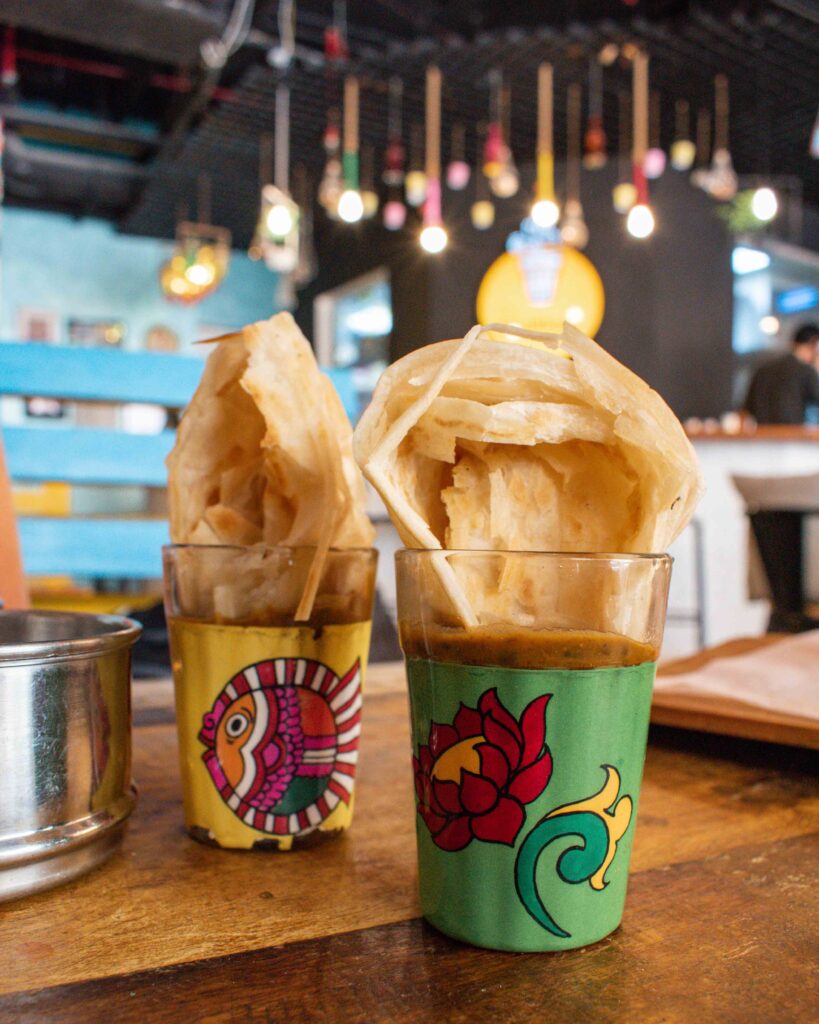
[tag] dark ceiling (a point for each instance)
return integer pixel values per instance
(113, 115)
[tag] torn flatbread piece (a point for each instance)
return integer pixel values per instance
(488, 444)
(263, 453)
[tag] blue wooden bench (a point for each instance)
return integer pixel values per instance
(98, 547)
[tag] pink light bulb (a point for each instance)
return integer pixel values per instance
(457, 175)
(395, 215)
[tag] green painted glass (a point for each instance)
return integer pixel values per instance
(527, 784)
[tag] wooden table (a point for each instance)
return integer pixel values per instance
(720, 924)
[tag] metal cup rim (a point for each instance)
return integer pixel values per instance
(100, 634)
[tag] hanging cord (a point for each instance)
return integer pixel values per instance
(574, 100)
(623, 138)
(721, 112)
(395, 112)
(703, 136)
(681, 119)
(282, 145)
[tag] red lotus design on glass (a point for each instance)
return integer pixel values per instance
(473, 778)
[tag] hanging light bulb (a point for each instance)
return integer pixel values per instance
(655, 160)
(394, 155)
(433, 237)
(415, 186)
(640, 221)
(482, 211)
(350, 203)
(545, 211)
(506, 180)
(624, 194)
(764, 204)
(458, 170)
(395, 215)
(573, 228)
(332, 184)
(415, 182)
(350, 206)
(279, 220)
(369, 197)
(721, 180)
(683, 150)
(594, 142)
(482, 214)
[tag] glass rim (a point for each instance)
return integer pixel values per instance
(168, 548)
(580, 556)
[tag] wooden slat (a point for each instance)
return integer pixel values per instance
(169, 899)
(729, 938)
(98, 374)
(103, 548)
(86, 456)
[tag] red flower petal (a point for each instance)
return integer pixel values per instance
(441, 738)
(499, 736)
(467, 722)
(434, 822)
(478, 795)
(500, 825)
(455, 835)
(533, 724)
(426, 759)
(530, 782)
(494, 765)
(490, 705)
(421, 787)
(416, 764)
(446, 794)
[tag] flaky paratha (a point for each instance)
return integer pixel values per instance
(487, 444)
(263, 453)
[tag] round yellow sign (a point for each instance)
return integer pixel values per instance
(540, 286)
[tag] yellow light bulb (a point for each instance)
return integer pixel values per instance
(482, 214)
(624, 196)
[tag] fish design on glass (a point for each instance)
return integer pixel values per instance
(282, 743)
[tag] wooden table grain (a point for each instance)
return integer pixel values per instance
(720, 922)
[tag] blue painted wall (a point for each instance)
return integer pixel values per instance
(85, 269)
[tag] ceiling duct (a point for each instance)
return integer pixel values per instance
(166, 31)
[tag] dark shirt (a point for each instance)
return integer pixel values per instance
(782, 390)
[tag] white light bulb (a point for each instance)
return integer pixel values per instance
(764, 204)
(545, 213)
(199, 275)
(279, 221)
(433, 238)
(640, 221)
(769, 325)
(350, 206)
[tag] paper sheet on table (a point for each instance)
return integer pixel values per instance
(783, 678)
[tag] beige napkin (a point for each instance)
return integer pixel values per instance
(783, 677)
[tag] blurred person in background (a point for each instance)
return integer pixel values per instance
(783, 389)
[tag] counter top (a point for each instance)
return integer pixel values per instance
(720, 921)
(770, 432)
